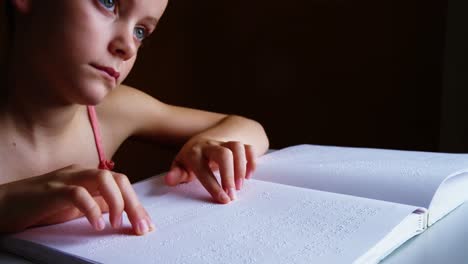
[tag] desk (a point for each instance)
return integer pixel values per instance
(444, 242)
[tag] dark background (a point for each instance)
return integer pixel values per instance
(386, 74)
(330, 72)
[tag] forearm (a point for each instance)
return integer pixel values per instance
(237, 128)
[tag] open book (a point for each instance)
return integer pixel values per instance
(305, 204)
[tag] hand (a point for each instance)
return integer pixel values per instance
(69, 193)
(199, 157)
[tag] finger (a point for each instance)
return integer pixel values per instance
(224, 158)
(102, 203)
(208, 180)
(192, 176)
(70, 213)
(176, 175)
(139, 218)
(213, 166)
(238, 152)
(251, 160)
(100, 182)
(110, 191)
(81, 199)
(64, 215)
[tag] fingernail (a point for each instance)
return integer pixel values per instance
(118, 222)
(100, 224)
(151, 225)
(232, 194)
(239, 183)
(142, 227)
(224, 197)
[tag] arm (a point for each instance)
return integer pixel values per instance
(237, 128)
(148, 117)
(210, 140)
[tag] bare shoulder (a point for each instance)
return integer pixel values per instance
(126, 108)
(126, 101)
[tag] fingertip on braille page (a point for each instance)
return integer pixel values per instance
(223, 197)
(232, 194)
(118, 222)
(239, 183)
(100, 224)
(152, 227)
(143, 227)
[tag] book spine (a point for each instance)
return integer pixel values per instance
(423, 219)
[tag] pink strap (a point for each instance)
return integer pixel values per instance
(103, 163)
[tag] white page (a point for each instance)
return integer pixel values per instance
(408, 177)
(269, 223)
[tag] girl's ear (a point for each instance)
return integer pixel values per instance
(21, 6)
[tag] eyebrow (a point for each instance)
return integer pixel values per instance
(150, 19)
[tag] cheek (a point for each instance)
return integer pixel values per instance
(87, 42)
(71, 39)
(85, 51)
(126, 68)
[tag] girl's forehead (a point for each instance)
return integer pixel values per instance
(154, 8)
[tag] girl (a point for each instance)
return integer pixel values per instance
(65, 111)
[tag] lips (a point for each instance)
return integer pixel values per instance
(110, 71)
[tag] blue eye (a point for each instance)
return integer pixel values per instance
(108, 4)
(140, 33)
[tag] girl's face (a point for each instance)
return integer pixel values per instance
(83, 48)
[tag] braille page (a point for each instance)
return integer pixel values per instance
(269, 223)
(408, 177)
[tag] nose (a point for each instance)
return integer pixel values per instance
(122, 45)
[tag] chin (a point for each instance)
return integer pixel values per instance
(95, 95)
(92, 101)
